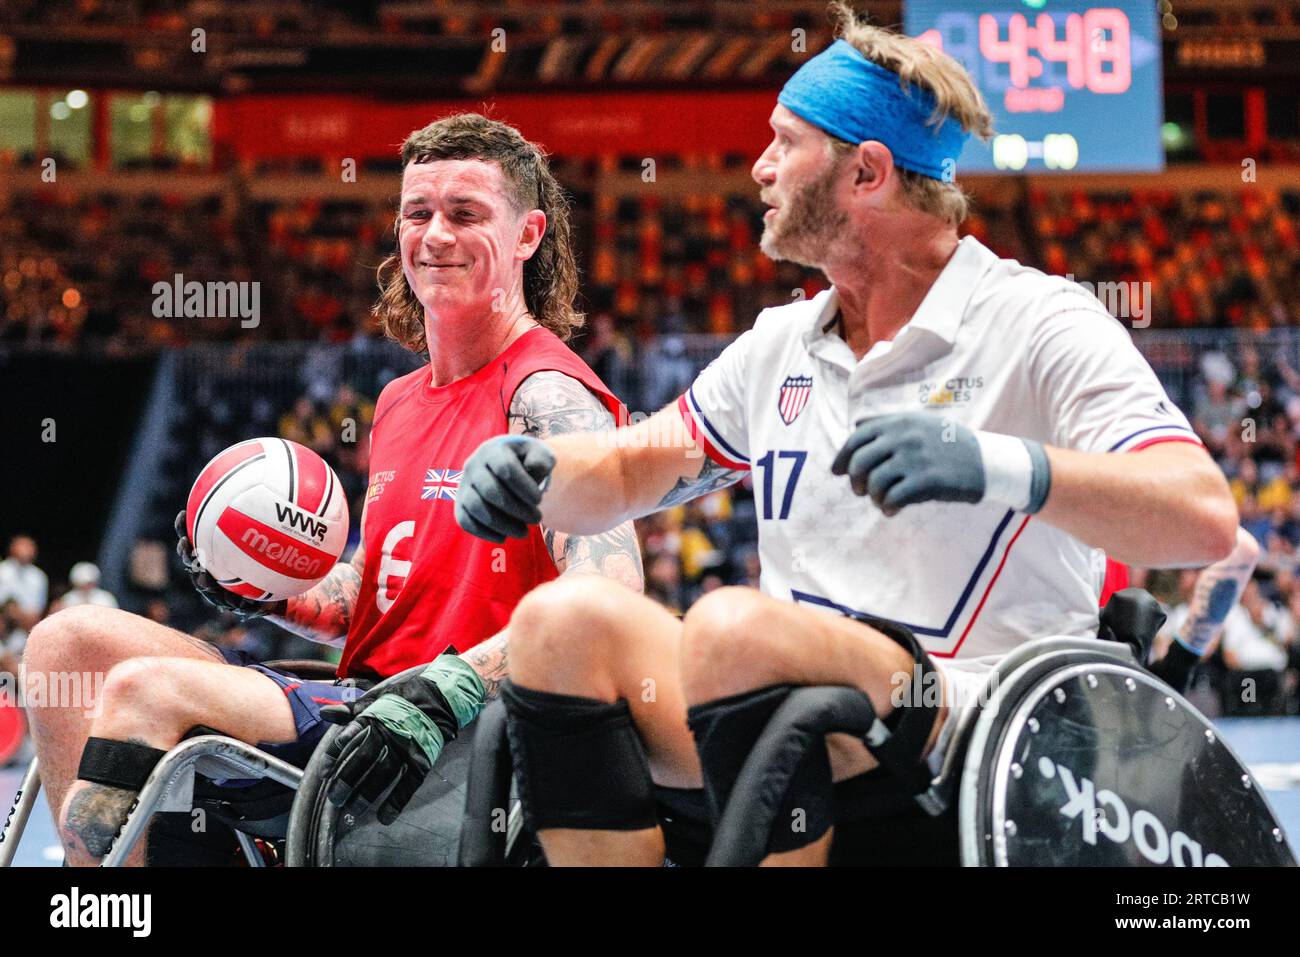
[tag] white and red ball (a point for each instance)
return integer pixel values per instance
(267, 518)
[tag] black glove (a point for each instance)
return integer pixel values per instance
(502, 487)
(245, 609)
(393, 737)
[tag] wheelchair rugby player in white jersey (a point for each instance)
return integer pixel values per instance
(945, 446)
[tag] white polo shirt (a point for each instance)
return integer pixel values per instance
(997, 346)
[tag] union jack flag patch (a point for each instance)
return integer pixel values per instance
(441, 483)
(794, 396)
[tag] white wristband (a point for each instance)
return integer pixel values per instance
(1008, 469)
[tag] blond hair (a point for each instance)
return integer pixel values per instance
(550, 275)
(955, 96)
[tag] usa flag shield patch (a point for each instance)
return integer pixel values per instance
(794, 396)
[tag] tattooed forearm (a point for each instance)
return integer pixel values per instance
(324, 613)
(711, 478)
(1217, 590)
(547, 404)
(491, 660)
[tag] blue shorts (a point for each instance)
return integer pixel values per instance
(306, 698)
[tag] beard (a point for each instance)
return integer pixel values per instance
(804, 228)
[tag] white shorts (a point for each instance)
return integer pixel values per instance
(963, 687)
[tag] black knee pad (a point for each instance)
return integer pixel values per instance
(579, 762)
(119, 764)
(726, 731)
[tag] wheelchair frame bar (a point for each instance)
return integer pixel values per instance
(801, 722)
(21, 810)
(224, 753)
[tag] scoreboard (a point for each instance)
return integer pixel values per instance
(1072, 86)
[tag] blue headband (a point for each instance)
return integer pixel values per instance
(848, 96)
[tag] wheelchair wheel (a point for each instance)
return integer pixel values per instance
(426, 834)
(1079, 760)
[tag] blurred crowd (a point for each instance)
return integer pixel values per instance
(1207, 258)
(1245, 407)
(76, 269)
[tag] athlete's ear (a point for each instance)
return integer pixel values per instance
(530, 237)
(872, 164)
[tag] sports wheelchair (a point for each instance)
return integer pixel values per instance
(284, 816)
(1074, 755)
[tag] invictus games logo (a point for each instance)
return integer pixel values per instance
(378, 482)
(955, 391)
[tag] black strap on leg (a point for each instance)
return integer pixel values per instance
(120, 764)
(898, 742)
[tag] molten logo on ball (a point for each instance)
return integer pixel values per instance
(268, 517)
(286, 557)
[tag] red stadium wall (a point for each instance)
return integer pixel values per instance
(630, 124)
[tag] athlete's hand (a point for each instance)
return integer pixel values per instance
(243, 608)
(502, 487)
(912, 457)
(394, 735)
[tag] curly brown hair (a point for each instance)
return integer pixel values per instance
(550, 275)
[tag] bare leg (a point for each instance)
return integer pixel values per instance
(737, 639)
(590, 637)
(155, 701)
(90, 641)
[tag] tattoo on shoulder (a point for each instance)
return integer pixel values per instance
(711, 478)
(552, 403)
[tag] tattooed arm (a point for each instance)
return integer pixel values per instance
(545, 405)
(323, 613)
(1218, 588)
(549, 404)
(600, 481)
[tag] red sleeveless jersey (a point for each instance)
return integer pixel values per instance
(427, 584)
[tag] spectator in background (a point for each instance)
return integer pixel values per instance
(1217, 413)
(304, 425)
(84, 579)
(350, 409)
(610, 356)
(351, 416)
(1267, 495)
(1257, 635)
(24, 590)
(663, 582)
